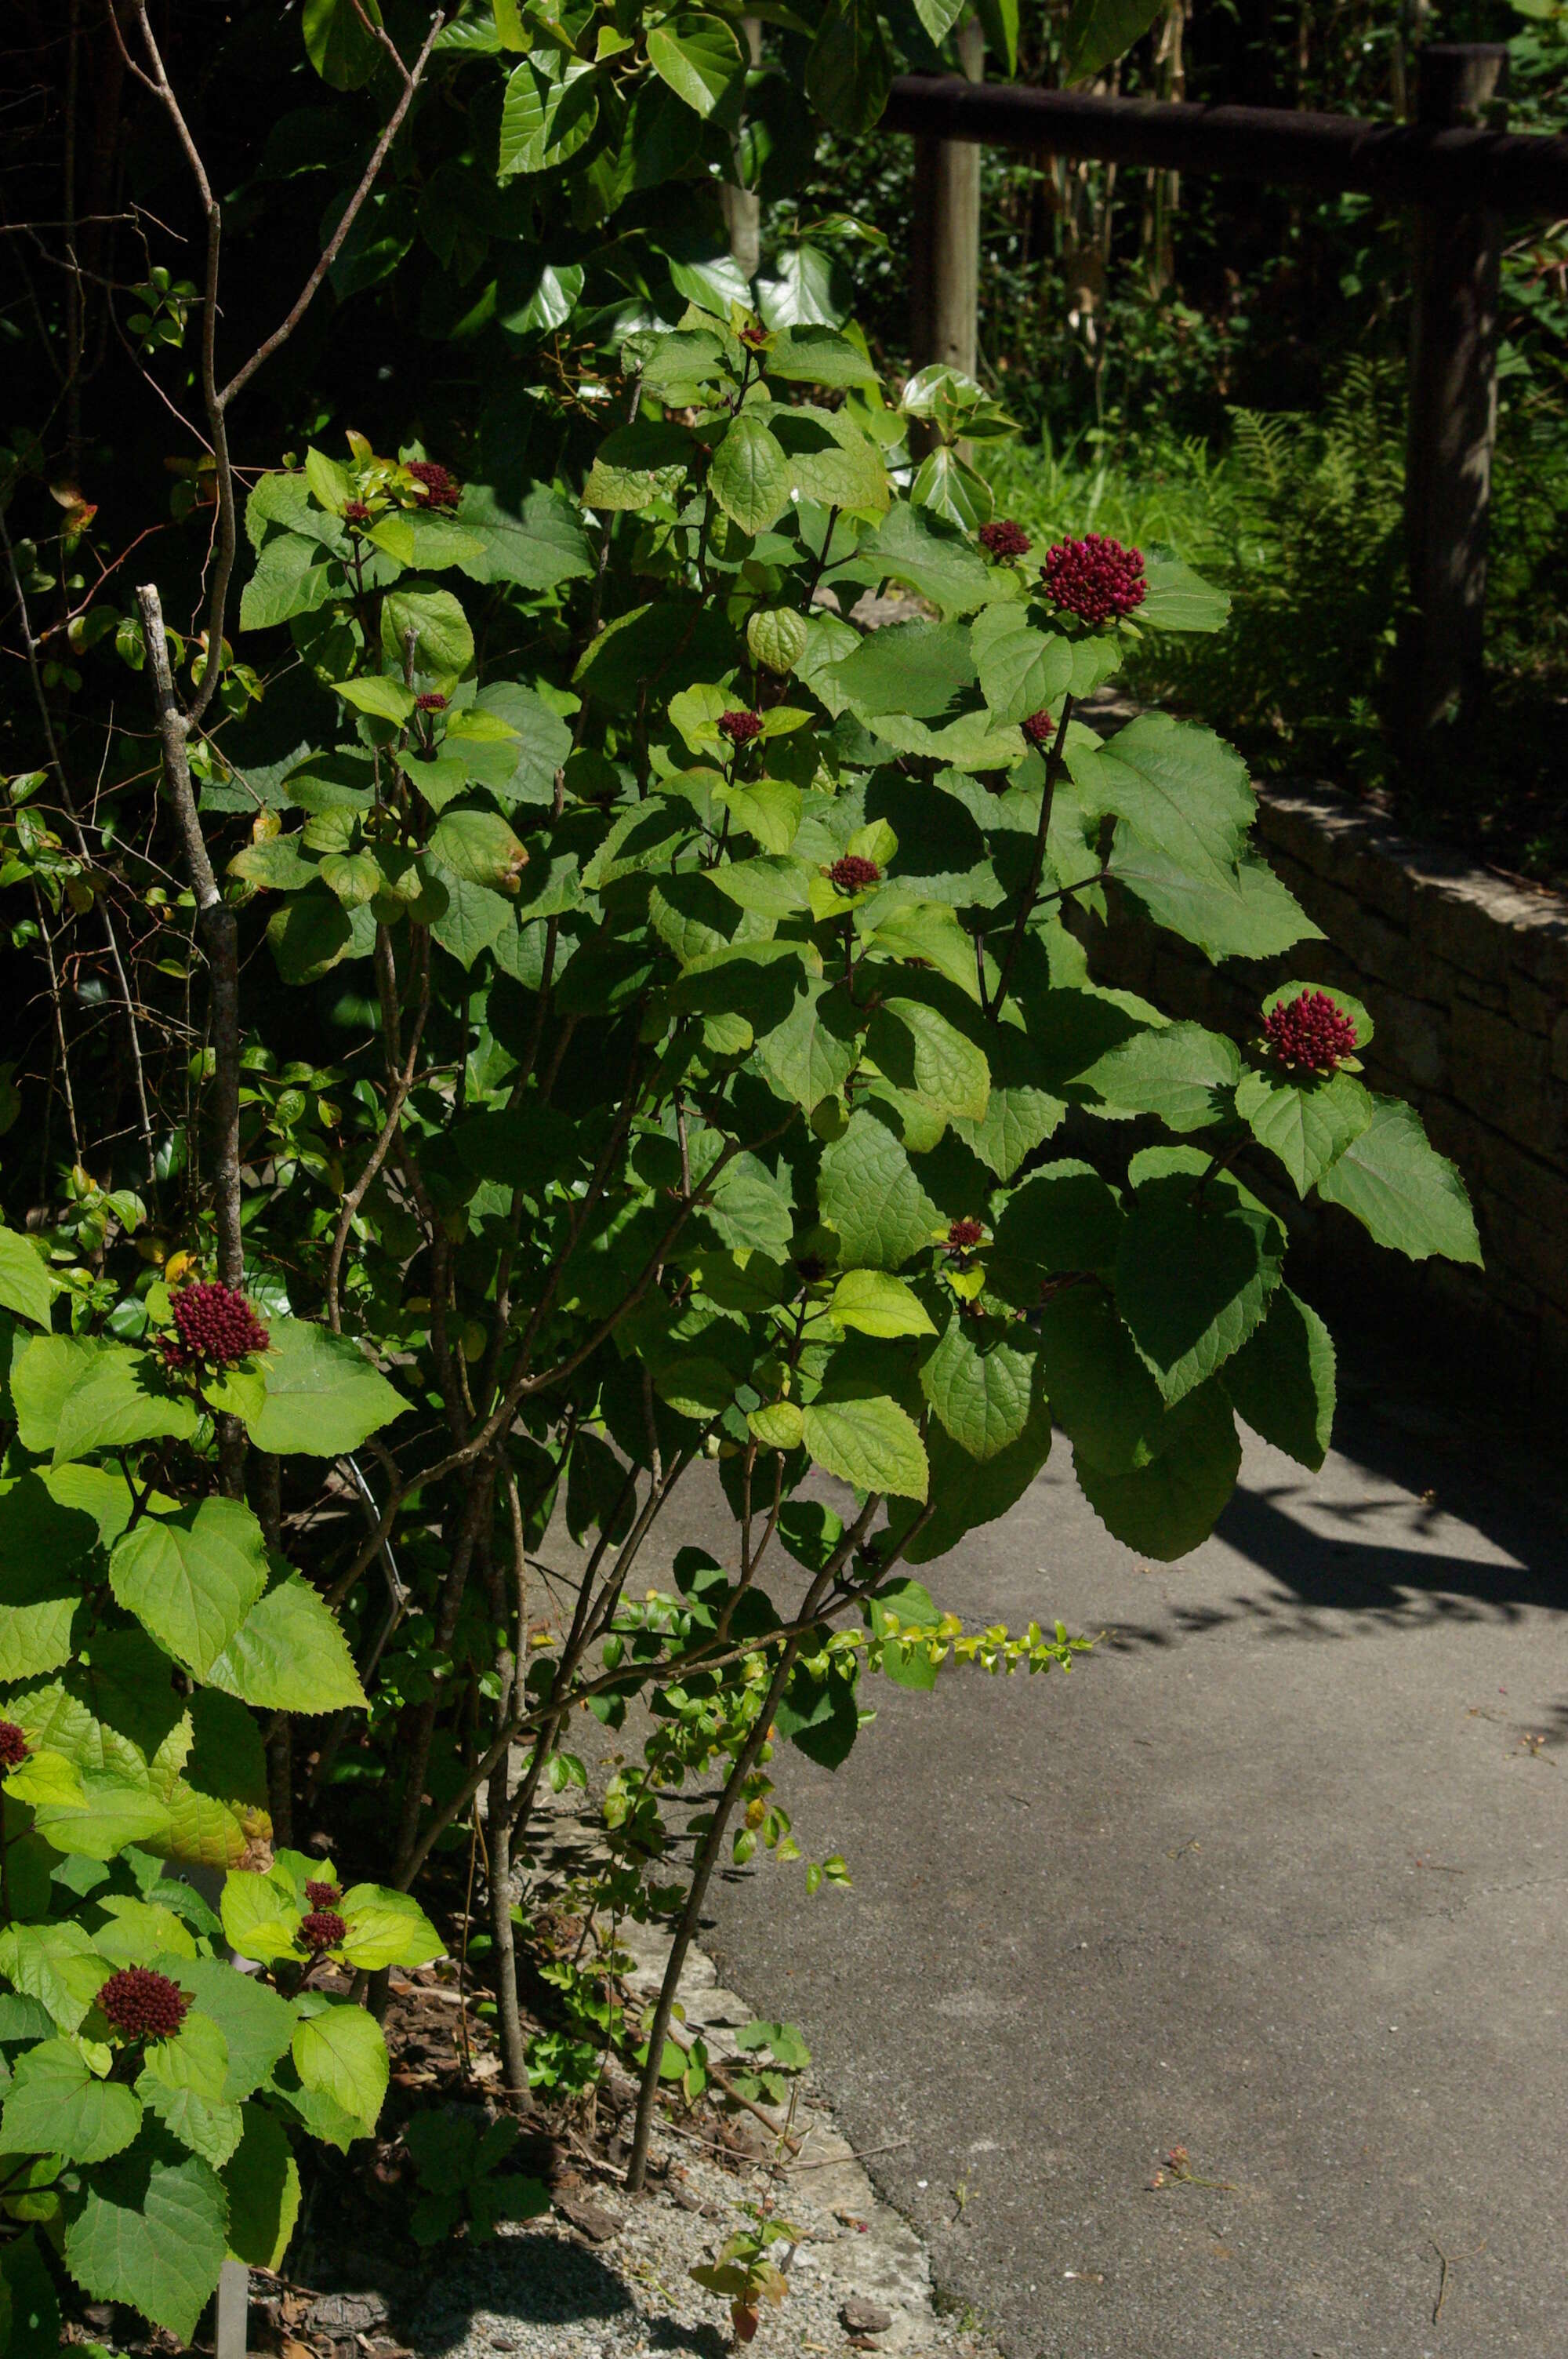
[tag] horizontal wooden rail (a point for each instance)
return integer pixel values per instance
(1519, 174)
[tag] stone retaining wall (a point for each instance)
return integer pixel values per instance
(1466, 980)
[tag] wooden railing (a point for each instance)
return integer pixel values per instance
(1463, 175)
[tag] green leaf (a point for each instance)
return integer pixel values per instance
(1247, 913)
(150, 2232)
(919, 1050)
(57, 1966)
(1193, 1278)
(700, 57)
(30, 2306)
(341, 2053)
(56, 2105)
(182, 2082)
(260, 1912)
(870, 1196)
(873, 1445)
(1309, 1124)
(338, 43)
(980, 1384)
(1282, 1380)
(778, 1426)
(535, 545)
(1000, 18)
(777, 636)
(40, 1542)
(310, 935)
(1022, 670)
(1178, 787)
(443, 642)
(811, 353)
(314, 1392)
(873, 1302)
(929, 931)
(25, 1284)
(475, 919)
(1402, 1191)
(811, 1054)
(1178, 601)
(750, 477)
(849, 68)
(121, 1398)
(1167, 1508)
(376, 693)
(913, 547)
(968, 1492)
(387, 1929)
(261, 2180)
(289, 1655)
(544, 122)
(1020, 1113)
(480, 847)
(191, 1578)
(1180, 1072)
(257, 2024)
(918, 669)
(1099, 31)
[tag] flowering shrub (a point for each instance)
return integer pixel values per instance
(625, 1020)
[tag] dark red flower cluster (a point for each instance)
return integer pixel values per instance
(1039, 728)
(213, 1324)
(322, 1895)
(441, 487)
(754, 334)
(1310, 1034)
(355, 512)
(965, 1235)
(853, 873)
(430, 700)
(13, 1746)
(1004, 538)
(1095, 578)
(740, 727)
(323, 1930)
(142, 2004)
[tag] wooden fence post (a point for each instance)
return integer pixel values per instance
(945, 279)
(743, 207)
(1453, 411)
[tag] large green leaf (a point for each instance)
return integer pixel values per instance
(920, 1051)
(1282, 1380)
(811, 1054)
(261, 2180)
(443, 642)
(57, 1966)
(25, 1284)
(150, 2231)
(968, 1492)
(40, 1543)
(544, 122)
(1020, 1113)
(538, 545)
(700, 57)
(1245, 914)
(750, 477)
(480, 847)
(1182, 1073)
(191, 1578)
(257, 2024)
(943, 564)
(289, 1655)
(42, 1373)
(874, 1444)
(909, 667)
(849, 68)
(338, 42)
(56, 2105)
(980, 1380)
(1177, 599)
(1402, 1191)
(1193, 1278)
(122, 1397)
(1022, 670)
(341, 2053)
(1164, 1509)
(1306, 1123)
(870, 1196)
(387, 1929)
(811, 354)
(182, 2082)
(314, 1391)
(1099, 31)
(1179, 788)
(874, 1302)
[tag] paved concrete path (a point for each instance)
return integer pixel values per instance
(1279, 1876)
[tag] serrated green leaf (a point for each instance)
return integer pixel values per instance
(1282, 1380)
(873, 1445)
(191, 1578)
(261, 2180)
(544, 122)
(257, 2024)
(870, 1196)
(150, 2232)
(341, 2053)
(1247, 913)
(981, 1384)
(777, 636)
(1402, 1191)
(1165, 1510)
(24, 1285)
(920, 1052)
(376, 693)
(57, 1966)
(121, 1398)
(289, 1655)
(874, 1302)
(314, 1391)
(387, 1929)
(1178, 600)
(1099, 31)
(750, 475)
(700, 57)
(1192, 1279)
(1306, 1123)
(443, 642)
(55, 2104)
(811, 1054)
(1178, 787)
(182, 2082)
(1182, 1073)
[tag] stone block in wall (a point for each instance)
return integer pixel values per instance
(1505, 1076)
(1335, 839)
(1410, 1037)
(1520, 1247)
(1495, 1168)
(1456, 921)
(1531, 1008)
